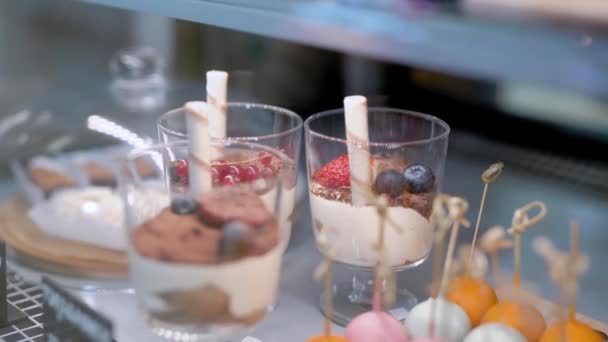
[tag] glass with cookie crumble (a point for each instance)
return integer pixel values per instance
(205, 268)
(407, 152)
(263, 124)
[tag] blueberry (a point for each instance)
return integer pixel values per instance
(418, 178)
(389, 182)
(184, 206)
(234, 242)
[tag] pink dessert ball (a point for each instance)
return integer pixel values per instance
(375, 326)
(427, 339)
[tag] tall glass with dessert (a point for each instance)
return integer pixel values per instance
(272, 126)
(205, 254)
(355, 153)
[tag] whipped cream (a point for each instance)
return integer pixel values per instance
(93, 215)
(288, 199)
(251, 283)
(353, 231)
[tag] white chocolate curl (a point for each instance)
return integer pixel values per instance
(199, 169)
(357, 135)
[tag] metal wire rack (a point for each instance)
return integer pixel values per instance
(28, 298)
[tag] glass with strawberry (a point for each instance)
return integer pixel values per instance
(271, 126)
(402, 159)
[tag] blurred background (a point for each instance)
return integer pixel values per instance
(552, 96)
(525, 85)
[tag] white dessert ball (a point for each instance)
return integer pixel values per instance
(451, 321)
(494, 332)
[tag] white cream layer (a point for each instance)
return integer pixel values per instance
(251, 283)
(288, 198)
(353, 232)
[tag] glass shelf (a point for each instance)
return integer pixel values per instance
(440, 38)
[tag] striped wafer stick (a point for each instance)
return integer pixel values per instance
(199, 144)
(217, 90)
(357, 135)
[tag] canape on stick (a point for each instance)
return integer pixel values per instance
(564, 270)
(522, 317)
(437, 319)
(374, 325)
(475, 295)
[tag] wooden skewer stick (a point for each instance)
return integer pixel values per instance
(440, 220)
(492, 242)
(520, 224)
(328, 299)
(324, 272)
(377, 300)
(457, 207)
(574, 256)
(383, 270)
(488, 177)
(564, 267)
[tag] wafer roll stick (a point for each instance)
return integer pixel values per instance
(217, 90)
(357, 135)
(200, 145)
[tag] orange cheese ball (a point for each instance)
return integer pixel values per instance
(330, 338)
(474, 296)
(571, 331)
(521, 317)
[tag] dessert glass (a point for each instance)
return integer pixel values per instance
(263, 124)
(204, 269)
(400, 142)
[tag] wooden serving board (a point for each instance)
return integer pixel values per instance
(71, 257)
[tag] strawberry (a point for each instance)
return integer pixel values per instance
(181, 168)
(334, 174)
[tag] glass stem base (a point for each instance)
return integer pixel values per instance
(351, 298)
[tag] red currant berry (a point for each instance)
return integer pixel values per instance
(234, 170)
(265, 158)
(267, 172)
(250, 173)
(230, 180)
